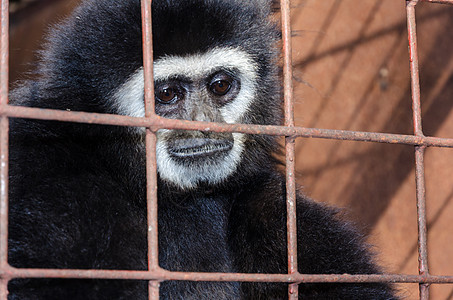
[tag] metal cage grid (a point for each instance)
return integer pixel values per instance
(152, 122)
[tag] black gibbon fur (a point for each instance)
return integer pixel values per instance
(77, 191)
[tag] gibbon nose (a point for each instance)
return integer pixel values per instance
(202, 109)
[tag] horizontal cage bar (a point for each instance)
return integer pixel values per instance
(163, 275)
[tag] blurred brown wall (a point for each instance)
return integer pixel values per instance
(27, 27)
(352, 64)
(352, 72)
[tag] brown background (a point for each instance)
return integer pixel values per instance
(352, 72)
(352, 61)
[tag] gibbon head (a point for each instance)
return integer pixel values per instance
(214, 60)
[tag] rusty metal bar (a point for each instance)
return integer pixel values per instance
(148, 57)
(161, 275)
(293, 289)
(438, 1)
(419, 150)
(3, 289)
(153, 289)
(162, 123)
(150, 142)
(4, 128)
(151, 187)
(150, 137)
(4, 52)
(413, 57)
(287, 63)
(421, 217)
(291, 217)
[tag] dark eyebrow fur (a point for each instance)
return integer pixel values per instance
(174, 78)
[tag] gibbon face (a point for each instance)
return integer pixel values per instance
(218, 85)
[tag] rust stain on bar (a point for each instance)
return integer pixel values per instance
(424, 291)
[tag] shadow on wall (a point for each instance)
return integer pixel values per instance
(377, 170)
(353, 58)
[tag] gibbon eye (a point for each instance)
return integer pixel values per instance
(166, 95)
(220, 87)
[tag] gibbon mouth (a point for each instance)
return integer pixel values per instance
(199, 147)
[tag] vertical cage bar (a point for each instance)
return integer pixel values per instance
(151, 187)
(290, 146)
(439, 1)
(4, 52)
(150, 136)
(147, 36)
(4, 289)
(4, 127)
(421, 218)
(153, 290)
(293, 289)
(150, 140)
(419, 150)
(413, 57)
(287, 63)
